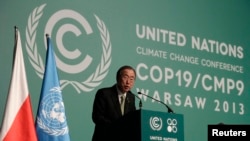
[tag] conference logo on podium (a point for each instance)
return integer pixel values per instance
(155, 123)
(172, 125)
(73, 60)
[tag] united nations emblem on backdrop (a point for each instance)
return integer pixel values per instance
(101, 70)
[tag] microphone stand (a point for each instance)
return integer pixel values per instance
(140, 103)
(169, 109)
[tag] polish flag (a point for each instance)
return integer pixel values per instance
(18, 122)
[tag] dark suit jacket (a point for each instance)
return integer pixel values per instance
(106, 110)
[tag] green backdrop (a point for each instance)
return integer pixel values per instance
(192, 55)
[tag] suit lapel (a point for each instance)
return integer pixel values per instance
(115, 100)
(127, 103)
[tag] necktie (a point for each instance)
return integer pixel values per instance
(122, 104)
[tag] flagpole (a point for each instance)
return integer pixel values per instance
(15, 44)
(15, 27)
(47, 36)
(16, 35)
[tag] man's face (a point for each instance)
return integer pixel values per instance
(126, 81)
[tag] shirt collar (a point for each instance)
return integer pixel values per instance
(119, 92)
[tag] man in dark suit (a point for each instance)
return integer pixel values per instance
(107, 103)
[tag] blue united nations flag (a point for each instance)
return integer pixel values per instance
(51, 123)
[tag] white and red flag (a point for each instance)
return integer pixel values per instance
(18, 122)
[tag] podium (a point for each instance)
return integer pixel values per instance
(147, 125)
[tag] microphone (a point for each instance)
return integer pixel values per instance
(140, 103)
(169, 109)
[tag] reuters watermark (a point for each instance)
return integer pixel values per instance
(225, 131)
